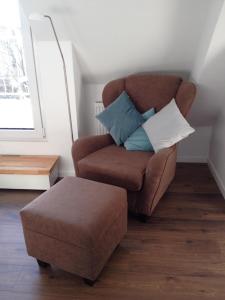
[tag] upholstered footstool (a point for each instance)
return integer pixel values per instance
(76, 225)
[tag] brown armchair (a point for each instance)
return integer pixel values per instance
(145, 175)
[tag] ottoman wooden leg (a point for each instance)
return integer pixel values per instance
(118, 245)
(42, 264)
(89, 282)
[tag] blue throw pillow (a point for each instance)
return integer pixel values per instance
(121, 118)
(139, 139)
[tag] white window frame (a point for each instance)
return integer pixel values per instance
(38, 133)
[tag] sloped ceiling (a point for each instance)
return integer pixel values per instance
(113, 38)
(117, 37)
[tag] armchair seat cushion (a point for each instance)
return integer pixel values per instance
(115, 165)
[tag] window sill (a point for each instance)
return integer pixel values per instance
(22, 136)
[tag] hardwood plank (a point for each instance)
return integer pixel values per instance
(178, 255)
(27, 164)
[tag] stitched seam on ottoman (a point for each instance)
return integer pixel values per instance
(72, 244)
(54, 238)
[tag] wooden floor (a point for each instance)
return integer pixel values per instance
(179, 255)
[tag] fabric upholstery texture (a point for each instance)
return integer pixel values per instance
(121, 118)
(115, 165)
(89, 154)
(146, 90)
(139, 140)
(88, 145)
(76, 225)
(159, 173)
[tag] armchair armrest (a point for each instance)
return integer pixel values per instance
(158, 175)
(185, 96)
(87, 145)
(157, 162)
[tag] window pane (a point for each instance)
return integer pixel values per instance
(15, 102)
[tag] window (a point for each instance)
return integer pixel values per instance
(20, 114)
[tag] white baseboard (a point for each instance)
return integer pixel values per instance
(192, 159)
(217, 177)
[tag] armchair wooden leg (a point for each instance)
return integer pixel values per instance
(42, 264)
(89, 282)
(143, 218)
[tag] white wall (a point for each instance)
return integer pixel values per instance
(54, 107)
(195, 148)
(216, 158)
(215, 80)
(204, 72)
(114, 38)
(205, 41)
(78, 86)
(129, 36)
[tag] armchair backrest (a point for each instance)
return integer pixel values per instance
(151, 90)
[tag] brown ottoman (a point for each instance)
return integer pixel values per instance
(76, 225)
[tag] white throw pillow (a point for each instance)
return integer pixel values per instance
(167, 127)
